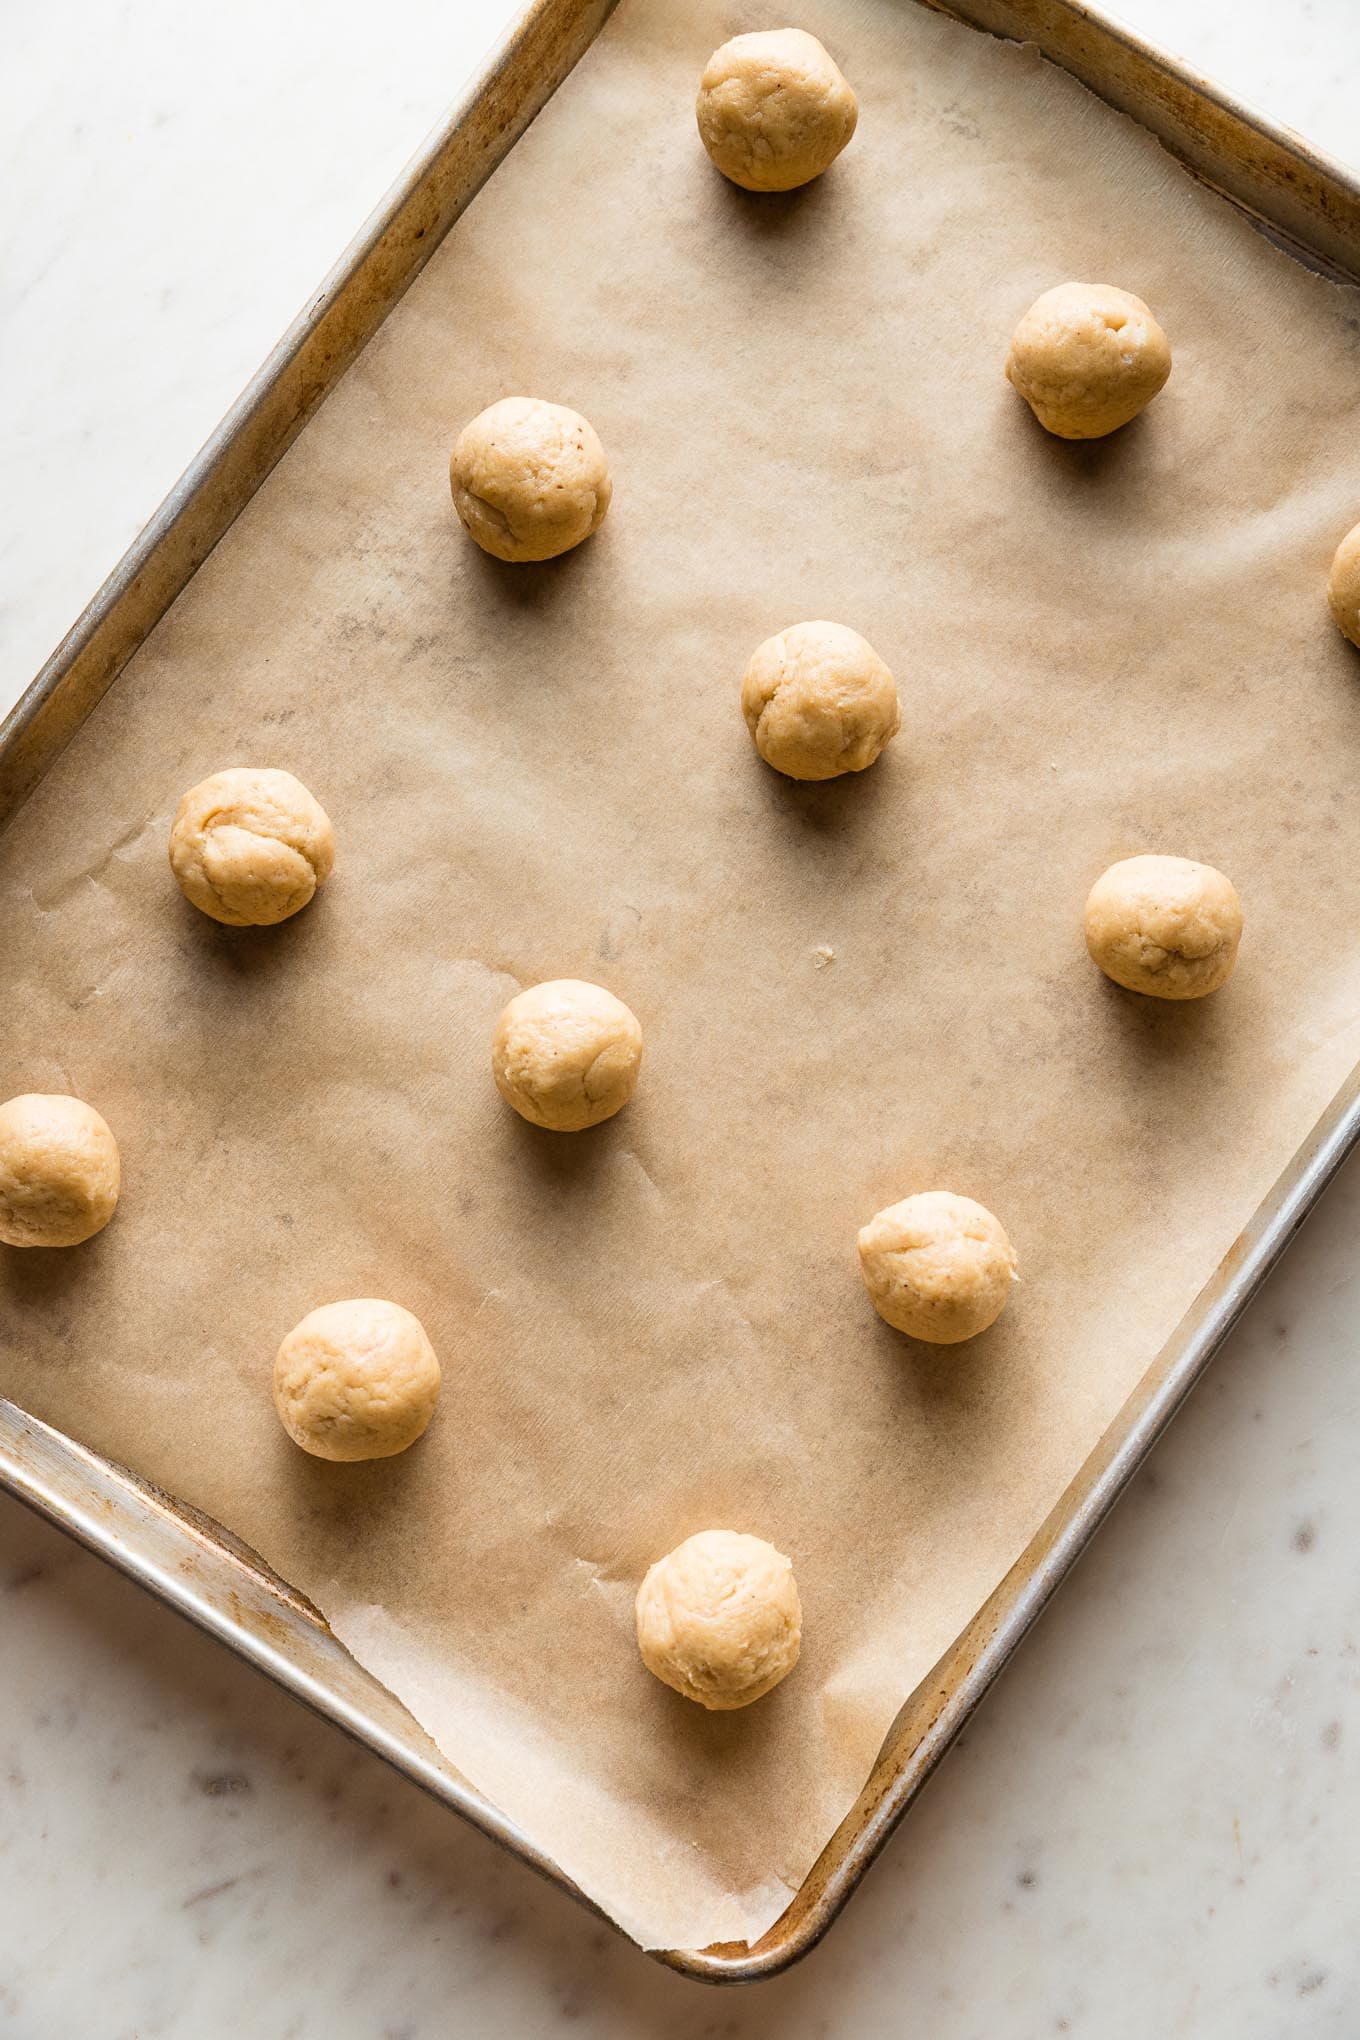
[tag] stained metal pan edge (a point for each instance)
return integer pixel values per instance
(1301, 196)
(381, 263)
(937, 1710)
(203, 1572)
(1297, 195)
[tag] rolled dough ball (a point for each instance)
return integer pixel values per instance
(819, 701)
(937, 1266)
(529, 479)
(250, 846)
(356, 1380)
(59, 1171)
(1343, 586)
(773, 109)
(1086, 358)
(1165, 926)
(719, 1619)
(566, 1054)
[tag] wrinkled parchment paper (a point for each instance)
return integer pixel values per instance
(849, 991)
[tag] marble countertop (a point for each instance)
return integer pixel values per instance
(1148, 1828)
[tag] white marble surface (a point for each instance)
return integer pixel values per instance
(1148, 1829)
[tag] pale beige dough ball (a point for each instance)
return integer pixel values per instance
(719, 1619)
(59, 1171)
(937, 1266)
(530, 480)
(1165, 926)
(356, 1380)
(1343, 586)
(819, 701)
(1086, 358)
(250, 846)
(566, 1054)
(773, 109)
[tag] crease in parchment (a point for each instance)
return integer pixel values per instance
(92, 871)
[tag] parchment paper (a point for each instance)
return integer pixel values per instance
(849, 991)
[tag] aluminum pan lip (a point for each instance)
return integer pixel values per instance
(387, 254)
(152, 1540)
(935, 1713)
(1303, 198)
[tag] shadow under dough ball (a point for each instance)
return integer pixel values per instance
(59, 1171)
(1165, 926)
(356, 1380)
(250, 846)
(937, 1266)
(819, 701)
(719, 1619)
(773, 109)
(529, 479)
(1086, 358)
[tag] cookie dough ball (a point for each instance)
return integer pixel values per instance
(566, 1054)
(1343, 586)
(250, 846)
(937, 1266)
(1086, 358)
(1165, 926)
(59, 1171)
(773, 110)
(356, 1380)
(529, 479)
(719, 1619)
(819, 701)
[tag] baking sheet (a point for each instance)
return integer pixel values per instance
(543, 771)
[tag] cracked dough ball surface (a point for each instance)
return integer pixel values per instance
(1165, 926)
(718, 1619)
(819, 701)
(530, 479)
(937, 1266)
(59, 1171)
(1343, 586)
(773, 109)
(250, 846)
(566, 1054)
(1086, 358)
(356, 1380)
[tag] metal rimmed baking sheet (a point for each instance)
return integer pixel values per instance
(967, 1666)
